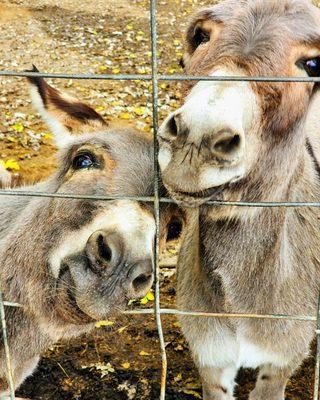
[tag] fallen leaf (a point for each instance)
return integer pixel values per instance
(104, 323)
(144, 353)
(120, 330)
(48, 136)
(103, 369)
(193, 393)
(11, 165)
(148, 297)
(125, 116)
(18, 127)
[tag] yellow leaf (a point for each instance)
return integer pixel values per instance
(193, 393)
(144, 353)
(104, 323)
(100, 108)
(129, 27)
(139, 110)
(18, 127)
(120, 330)
(150, 296)
(126, 365)
(12, 139)
(47, 136)
(178, 378)
(144, 300)
(116, 71)
(102, 68)
(125, 116)
(12, 165)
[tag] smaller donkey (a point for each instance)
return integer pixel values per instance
(70, 262)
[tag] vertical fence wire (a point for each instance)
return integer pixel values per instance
(317, 369)
(6, 347)
(157, 305)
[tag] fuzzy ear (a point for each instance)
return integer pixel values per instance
(63, 114)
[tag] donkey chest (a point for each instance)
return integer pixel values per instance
(252, 355)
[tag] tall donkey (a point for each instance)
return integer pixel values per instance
(247, 141)
(71, 262)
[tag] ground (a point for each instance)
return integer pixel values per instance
(120, 360)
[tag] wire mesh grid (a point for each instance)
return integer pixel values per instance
(155, 77)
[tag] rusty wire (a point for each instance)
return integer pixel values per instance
(154, 77)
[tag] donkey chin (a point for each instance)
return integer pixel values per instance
(211, 183)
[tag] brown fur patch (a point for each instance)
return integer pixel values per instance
(75, 115)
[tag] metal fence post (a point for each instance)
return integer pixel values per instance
(157, 305)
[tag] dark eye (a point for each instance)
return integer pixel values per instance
(200, 36)
(84, 161)
(312, 67)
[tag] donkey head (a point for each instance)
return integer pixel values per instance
(242, 140)
(88, 257)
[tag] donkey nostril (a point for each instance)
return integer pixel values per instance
(227, 145)
(141, 281)
(172, 127)
(104, 250)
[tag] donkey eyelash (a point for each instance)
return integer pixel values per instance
(311, 66)
(85, 160)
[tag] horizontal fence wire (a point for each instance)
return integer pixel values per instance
(155, 77)
(173, 311)
(148, 77)
(151, 199)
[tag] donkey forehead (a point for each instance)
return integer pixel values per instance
(256, 27)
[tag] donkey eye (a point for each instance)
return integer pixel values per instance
(84, 161)
(200, 36)
(312, 67)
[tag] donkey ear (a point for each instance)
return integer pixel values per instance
(63, 114)
(172, 222)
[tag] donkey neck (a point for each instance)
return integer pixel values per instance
(13, 206)
(264, 247)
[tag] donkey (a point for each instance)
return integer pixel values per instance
(247, 141)
(70, 262)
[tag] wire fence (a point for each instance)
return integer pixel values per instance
(155, 77)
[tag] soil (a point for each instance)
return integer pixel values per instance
(120, 361)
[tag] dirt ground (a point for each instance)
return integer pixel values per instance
(121, 360)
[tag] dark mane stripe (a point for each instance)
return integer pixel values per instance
(315, 161)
